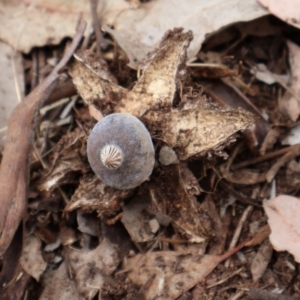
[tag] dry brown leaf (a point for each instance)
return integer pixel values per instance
(166, 275)
(70, 156)
(87, 223)
(285, 10)
(29, 23)
(139, 31)
(32, 260)
(11, 84)
(59, 285)
(91, 267)
(139, 220)
(283, 212)
(261, 260)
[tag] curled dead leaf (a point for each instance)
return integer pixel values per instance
(90, 268)
(31, 259)
(138, 31)
(283, 212)
(168, 274)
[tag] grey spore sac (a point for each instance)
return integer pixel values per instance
(120, 151)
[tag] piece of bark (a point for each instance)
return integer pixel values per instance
(17, 151)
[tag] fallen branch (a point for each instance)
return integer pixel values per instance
(18, 146)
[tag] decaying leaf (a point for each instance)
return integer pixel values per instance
(283, 212)
(139, 219)
(261, 260)
(91, 267)
(70, 156)
(26, 24)
(59, 285)
(173, 189)
(31, 259)
(87, 223)
(191, 131)
(287, 11)
(166, 275)
(138, 31)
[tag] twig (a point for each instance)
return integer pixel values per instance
(238, 295)
(17, 86)
(236, 194)
(62, 90)
(282, 161)
(35, 70)
(226, 278)
(96, 25)
(238, 231)
(264, 157)
(18, 147)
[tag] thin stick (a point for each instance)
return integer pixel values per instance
(264, 157)
(96, 25)
(282, 161)
(238, 231)
(17, 85)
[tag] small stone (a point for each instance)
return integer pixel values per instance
(154, 226)
(167, 156)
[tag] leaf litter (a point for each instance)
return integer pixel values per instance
(167, 238)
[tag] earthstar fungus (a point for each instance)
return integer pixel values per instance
(191, 129)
